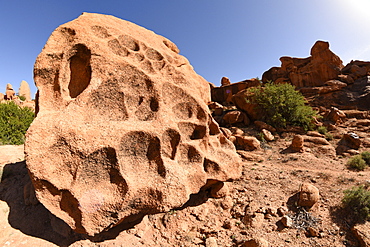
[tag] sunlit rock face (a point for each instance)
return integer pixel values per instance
(323, 65)
(122, 128)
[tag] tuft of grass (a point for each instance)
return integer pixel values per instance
(357, 163)
(322, 130)
(357, 201)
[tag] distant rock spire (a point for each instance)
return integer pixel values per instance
(25, 91)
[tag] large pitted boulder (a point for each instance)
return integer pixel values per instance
(123, 127)
(323, 65)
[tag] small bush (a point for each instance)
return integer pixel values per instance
(366, 156)
(14, 122)
(282, 105)
(21, 97)
(322, 130)
(357, 163)
(357, 200)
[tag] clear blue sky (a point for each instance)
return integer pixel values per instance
(239, 39)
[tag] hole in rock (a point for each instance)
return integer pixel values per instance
(171, 140)
(80, 70)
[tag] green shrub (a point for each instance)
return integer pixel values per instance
(282, 105)
(357, 163)
(14, 122)
(322, 130)
(366, 156)
(21, 97)
(357, 200)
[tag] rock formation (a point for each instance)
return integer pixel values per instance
(323, 65)
(123, 127)
(25, 91)
(9, 93)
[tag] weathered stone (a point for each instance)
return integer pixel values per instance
(256, 242)
(335, 115)
(225, 81)
(323, 65)
(316, 140)
(267, 135)
(348, 141)
(262, 125)
(362, 232)
(248, 143)
(235, 117)
(123, 128)
(25, 91)
(216, 108)
(9, 93)
(308, 195)
(286, 221)
(241, 101)
(297, 143)
(222, 94)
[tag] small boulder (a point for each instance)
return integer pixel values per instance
(286, 221)
(308, 195)
(267, 135)
(297, 143)
(256, 242)
(247, 143)
(236, 117)
(262, 125)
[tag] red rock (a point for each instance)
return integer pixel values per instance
(242, 101)
(225, 81)
(223, 93)
(297, 143)
(308, 195)
(323, 65)
(25, 91)
(247, 143)
(9, 93)
(235, 117)
(123, 128)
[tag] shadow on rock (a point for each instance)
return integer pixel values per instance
(345, 221)
(32, 219)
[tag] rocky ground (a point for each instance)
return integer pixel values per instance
(249, 208)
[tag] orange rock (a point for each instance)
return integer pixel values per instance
(123, 128)
(308, 195)
(323, 65)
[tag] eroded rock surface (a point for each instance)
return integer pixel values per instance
(323, 65)
(123, 127)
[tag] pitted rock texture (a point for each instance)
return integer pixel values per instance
(123, 128)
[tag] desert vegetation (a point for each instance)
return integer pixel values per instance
(14, 122)
(282, 105)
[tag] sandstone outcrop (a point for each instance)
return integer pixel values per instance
(9, 93)
(224, 94)
(123, 128)
(25, 91)
(323, 65)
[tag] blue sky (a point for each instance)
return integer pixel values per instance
(239, 39)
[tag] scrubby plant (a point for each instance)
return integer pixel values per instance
(357, 201)
(322, 130)
(21, 97)
(366, 156)
(357, 163)
(282, 105)
(14, 122)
